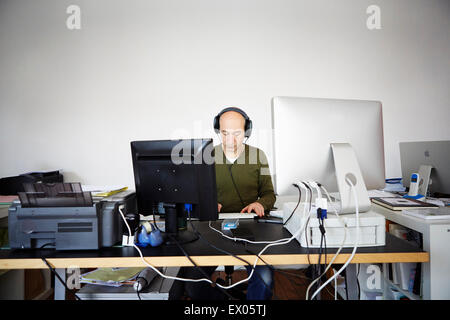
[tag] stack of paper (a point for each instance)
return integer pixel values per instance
(7, 200)
(380, 194)
(103, 191)
(112, 277)
(440, 213)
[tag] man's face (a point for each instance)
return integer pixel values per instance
(232, 131)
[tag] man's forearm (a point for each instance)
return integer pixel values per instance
(267, 201)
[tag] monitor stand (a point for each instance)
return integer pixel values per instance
(425, 179)
(173, 234)
(346, 166)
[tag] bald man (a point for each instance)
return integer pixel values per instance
(243, 178)
(244, 184)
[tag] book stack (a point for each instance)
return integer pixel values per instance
(398, 204)
(112, 277)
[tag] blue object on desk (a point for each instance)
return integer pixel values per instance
(394, 185)
(188, 207)
(416, 197)
(154, 238)
(321, 213)
(230, 224)
(394, 180)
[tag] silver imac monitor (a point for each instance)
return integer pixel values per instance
(427, 153)
(304, 131)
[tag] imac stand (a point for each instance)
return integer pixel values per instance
(346, 166)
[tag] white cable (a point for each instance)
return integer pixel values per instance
(356, 242)
(303, 186)
(299, 232)
(128, 227)
(314, 185)
(258, 242)
(337, 252)
(335, 288)
(149, 265)
(242, 239)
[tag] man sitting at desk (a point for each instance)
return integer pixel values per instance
(242, 171)
(244, 184)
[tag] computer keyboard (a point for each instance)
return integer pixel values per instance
(236, 215)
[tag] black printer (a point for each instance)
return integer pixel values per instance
(62, 216)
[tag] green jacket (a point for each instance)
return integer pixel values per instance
(251, 179)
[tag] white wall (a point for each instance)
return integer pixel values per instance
(74, 99)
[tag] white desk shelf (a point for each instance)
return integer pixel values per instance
(436, 240)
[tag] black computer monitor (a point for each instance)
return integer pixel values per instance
(176, 173)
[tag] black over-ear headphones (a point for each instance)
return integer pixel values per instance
(248, 122)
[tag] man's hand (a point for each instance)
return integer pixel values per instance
(256, 207)
(219, 207)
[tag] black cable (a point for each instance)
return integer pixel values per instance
(59, 278)
(268, 265)
(304, 278)
(235, 187)
(223, 251)
(285, 273)
(201, 237)
(323, 228)
(187, 256)
(346, 285)
(154, 222)
(325, 244)
(325, 250)
(320, 249)
(54, 271)
(357, 281)
(318, 267)
(307, 222)
(198, 268)
(299, 199)
(47, 244)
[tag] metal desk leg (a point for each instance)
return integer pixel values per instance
(60, 290)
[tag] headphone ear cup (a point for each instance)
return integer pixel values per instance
(248, 128)
(216, 124)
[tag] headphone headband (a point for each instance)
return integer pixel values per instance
(248, 122)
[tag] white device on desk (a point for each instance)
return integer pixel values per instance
(414, 188)
(372, 229)
(414, 185)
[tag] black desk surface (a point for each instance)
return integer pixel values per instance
(261, 231)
